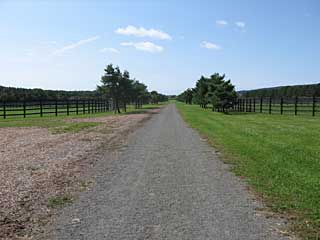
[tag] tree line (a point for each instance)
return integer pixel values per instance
(122, 90)
(115, 85)
(308, 90)
(23, 94)
(214, 90)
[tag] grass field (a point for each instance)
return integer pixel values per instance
(59, 124)
(279, 156)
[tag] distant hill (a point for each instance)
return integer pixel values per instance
(307, 90)
(19, 94)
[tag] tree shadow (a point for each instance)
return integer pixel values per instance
(239, 113)
(136, 112)
(141, 111)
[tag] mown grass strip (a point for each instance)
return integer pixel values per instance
(278, 155)
(59, 123)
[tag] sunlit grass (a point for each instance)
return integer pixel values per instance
(60, 124)
(278, 155)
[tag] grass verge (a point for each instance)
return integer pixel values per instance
(278, 155)
(60, 125)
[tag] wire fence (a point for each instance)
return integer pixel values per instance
(290, 106)
(53, 108)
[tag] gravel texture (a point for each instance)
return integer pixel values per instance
(36, 165)
(167, 183)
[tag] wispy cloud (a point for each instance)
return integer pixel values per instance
(60, 51)
(221, 23)
(210, 45)
(144, 46)
(143, 32)
(112, 50)
(240, 24)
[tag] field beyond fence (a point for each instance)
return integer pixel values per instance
(293, 106)
(53, 108)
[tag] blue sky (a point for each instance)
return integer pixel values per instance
(166, 44)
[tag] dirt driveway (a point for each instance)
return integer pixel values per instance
(166, 183)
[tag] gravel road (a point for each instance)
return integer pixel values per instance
(166, 183)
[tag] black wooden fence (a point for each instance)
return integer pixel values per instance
(293, 106)
(53, 108)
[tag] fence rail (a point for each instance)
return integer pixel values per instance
(293, 106)
(54, 108)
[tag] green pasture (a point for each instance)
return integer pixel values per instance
(59, 124)
(278, 155)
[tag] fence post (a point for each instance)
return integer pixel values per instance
(313, 106)
(261, 101)
(4, 110)
(281, 106)
(296, 106)
(77, 106)
(270, 105)
(92, 105)
(88, 102)
(41, 110)
(246, 105)
(243, 105)
(254, 105)
(68, 107)
(56, 107)
(83, 106)
(24, 109)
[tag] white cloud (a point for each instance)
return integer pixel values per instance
(144, 46)
(142, 32)
(210, 45)
(112, 50)
(221, 23)
(240, 24)
(60, 51)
